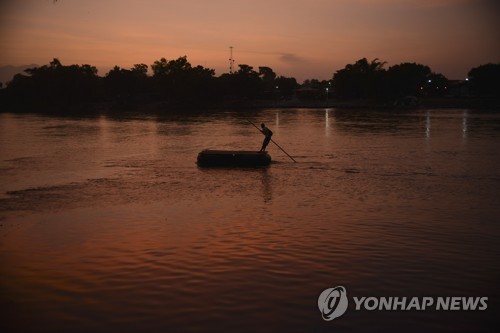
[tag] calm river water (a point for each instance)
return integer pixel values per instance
(108, 225)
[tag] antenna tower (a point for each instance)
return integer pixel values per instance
(231, 60)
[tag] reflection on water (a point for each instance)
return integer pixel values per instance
(464, 124)
(108, 225)
(428, 125)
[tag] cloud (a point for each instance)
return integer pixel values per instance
(418, 3)
(291, 58)
(8, 72)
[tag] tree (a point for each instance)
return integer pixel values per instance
(246, 71)
(268, 76)
(159, 68)
(359, 80)
(242, 84)
(178, 81)
(141, 69)
(126, 83)
(406, 79)
(485, 80)
(56, 84)
(286, 86)
(437, 85)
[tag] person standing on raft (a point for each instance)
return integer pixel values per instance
(268, 134)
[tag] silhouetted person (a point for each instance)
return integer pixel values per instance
(268, 134)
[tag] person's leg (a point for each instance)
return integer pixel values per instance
(265, 143)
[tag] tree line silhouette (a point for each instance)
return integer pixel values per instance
(179, 83)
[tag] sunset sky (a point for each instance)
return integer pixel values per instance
(303, 39)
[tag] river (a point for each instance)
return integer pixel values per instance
(108, 225)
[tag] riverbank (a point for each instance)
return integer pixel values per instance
(145, 105)
(424, 103)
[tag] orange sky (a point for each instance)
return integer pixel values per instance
(304, 39)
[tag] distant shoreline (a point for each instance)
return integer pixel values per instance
(424, 103)
(151, 107)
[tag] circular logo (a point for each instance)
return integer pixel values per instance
(332, 303)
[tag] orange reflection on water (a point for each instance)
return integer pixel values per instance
(137, 237)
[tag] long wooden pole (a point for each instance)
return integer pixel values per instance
(273, 142)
